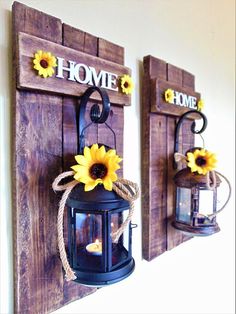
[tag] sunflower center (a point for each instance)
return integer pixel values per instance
(44, 63)
(98, 171)
(200, 161)
(126, 84)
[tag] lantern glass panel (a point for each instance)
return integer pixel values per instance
(206, 202)
(120, 250)
(183, 205)
(88, 240)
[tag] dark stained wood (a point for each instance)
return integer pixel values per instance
(158, 103)
(174, 74)
(79, 40)
(154, 67)
(157, 186)
(153, 168)
(28, 78)
(110, 51)
(45, 142)
(38, 155)
(158, 126)
(146, 221)
(41, 24)
(188, 80)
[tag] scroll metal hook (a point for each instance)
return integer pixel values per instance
(193, 130)
(95, 115)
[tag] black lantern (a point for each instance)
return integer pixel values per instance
(95, 216)
(196, 201)
(92, 219)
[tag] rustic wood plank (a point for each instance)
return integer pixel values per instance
(174, 236)
(154, 67)
(174, 74)
(188, 80)
(79, 40)
(36, 23)
(153, 211)
(38, 157)
(110, 51)
(158, 103)
(158, 127)
(157, 187)
(27, 77)
(37, 150)
(146, 236)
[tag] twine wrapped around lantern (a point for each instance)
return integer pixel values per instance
(124, 188)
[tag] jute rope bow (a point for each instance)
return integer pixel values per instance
(121, 187)
(211, 181)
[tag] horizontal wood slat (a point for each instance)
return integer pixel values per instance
(27, 77)
(158, 103)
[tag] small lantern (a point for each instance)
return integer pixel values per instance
(196, 194)
(92, 219)
(100, 207)
(195, 203)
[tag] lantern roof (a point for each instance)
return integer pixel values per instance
(98, 199)
(187, 179)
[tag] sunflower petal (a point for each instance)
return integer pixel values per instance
(93, 150)
(107, 183)
(81, 160)
(91, 185)
(100, 154)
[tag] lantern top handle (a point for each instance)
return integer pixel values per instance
(193, 130)
(95, 115)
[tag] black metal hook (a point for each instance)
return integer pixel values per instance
(193, 125)
(95, 115)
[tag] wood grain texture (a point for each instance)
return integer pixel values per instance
(45, 142)
(27, 77)
(110, 51)
(79, 40)
(158, 125)
(158, 103)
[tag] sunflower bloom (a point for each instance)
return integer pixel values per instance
(200, 104)
(44, 62)
(96, 166)
(126, 84)
(169, 95)
(201, 161)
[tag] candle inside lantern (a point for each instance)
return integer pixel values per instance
(95, 248)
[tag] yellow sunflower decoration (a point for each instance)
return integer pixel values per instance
(200, 104)
(44, 62)
(96, 166)
(169, 95)
(126, 84)
(201, 161)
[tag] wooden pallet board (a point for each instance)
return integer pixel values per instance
(158, 126)
(45, 142)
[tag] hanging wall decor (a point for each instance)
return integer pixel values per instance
(53, 66)
(197, 201)
(100, 208)
(170, 105)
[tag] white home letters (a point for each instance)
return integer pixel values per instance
(184, 100)
(84, 74)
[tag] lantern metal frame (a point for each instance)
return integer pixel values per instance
(104, 268)
(193, 185)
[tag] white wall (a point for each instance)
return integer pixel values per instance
(199, 36)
